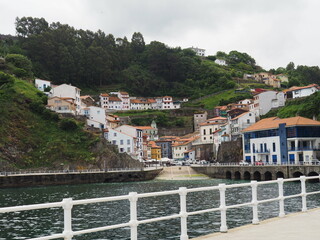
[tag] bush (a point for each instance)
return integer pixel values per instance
(68, 124)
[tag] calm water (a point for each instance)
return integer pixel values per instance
(30, 224)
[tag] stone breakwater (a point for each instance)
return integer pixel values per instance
(29, 180)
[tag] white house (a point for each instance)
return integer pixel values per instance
(298, 92)
(104, 100)
(125, 142)
(198, 51)
(265, 101)
(114, 103)
(125, 100)
(167, 102)
(240, 122)
(221, 62)
(68, 91)
(208, 127)
(96, 117)
(275, 140)
(137, 134)
(42, 84)
(158, 102)
(181, 147)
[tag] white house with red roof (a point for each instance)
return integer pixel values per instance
(298, 92)
(267, 100)
(167, 103)
(240, 122)
(104, 100)
(96, 117)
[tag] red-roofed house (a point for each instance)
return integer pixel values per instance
(297, 92)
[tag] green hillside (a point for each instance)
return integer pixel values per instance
(33, 137)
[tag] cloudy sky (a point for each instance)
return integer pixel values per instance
(274, 32)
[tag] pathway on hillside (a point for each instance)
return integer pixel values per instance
(180, 173)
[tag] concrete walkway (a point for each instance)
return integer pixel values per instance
(295, 226)
(180, 173)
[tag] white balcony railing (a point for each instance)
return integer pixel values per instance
(133, 198)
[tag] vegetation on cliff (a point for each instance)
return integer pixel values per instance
(33, 136)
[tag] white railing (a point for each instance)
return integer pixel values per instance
(133, 198)
(8, 173)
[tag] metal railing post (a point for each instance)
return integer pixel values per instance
(254, 186)
(281, 198)
(67, 207)
(133, 215)
(223, 209)
(303, 193)
(183, 213)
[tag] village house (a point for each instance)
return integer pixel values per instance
(62, 105)
(166, 147)
(167, 103)
(124, 142)
(114, 103)
(198, 118)
(199, 51)
(96, 117)
(182, 146)
(155, 150)
(221, 62)
(240, 122)
(137, 134)
(298, 92)
(265, 101)
(87, 101)
(150, 131)
(113, 121)
(274, 140)
(68, 91)
(42, 85)
(207, 128)
(104, 100)
(125, 100)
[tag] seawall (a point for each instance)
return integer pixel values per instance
(31, 180)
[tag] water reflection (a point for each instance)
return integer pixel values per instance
(24, 225)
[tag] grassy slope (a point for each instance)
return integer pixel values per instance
(33, 139)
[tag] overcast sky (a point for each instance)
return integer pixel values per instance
(274, 32)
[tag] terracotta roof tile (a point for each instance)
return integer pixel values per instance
(273, 123)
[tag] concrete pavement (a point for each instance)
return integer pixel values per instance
(295, 226)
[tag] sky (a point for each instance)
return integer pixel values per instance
(273, 32)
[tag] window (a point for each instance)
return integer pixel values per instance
(248, 120)
(128, 149)
(128, 141)
(114, 134)
(121, 142)
(114, 142)
(274, 147)
(121, 150)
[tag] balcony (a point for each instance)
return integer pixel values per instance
(262, 151)
(303, 149)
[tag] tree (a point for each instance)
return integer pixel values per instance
(27, 26)
(19, 65)
(290, 66)
(137, 43)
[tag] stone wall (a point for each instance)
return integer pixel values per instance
(76, 178)
(230, 151)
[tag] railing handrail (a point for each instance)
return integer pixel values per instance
(7, 173)
(133, 197)
(258, 164)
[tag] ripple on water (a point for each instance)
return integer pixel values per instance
(24, 225)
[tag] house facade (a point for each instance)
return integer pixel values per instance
(137, 134)
(62, 105)
(265, 101)
(96, 117)
(298, 92)
(68, 91)
(290, 140)
(211, 125)
(42, 84)
(124, 142)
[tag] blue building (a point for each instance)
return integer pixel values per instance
(166, 148)
(274, 140)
